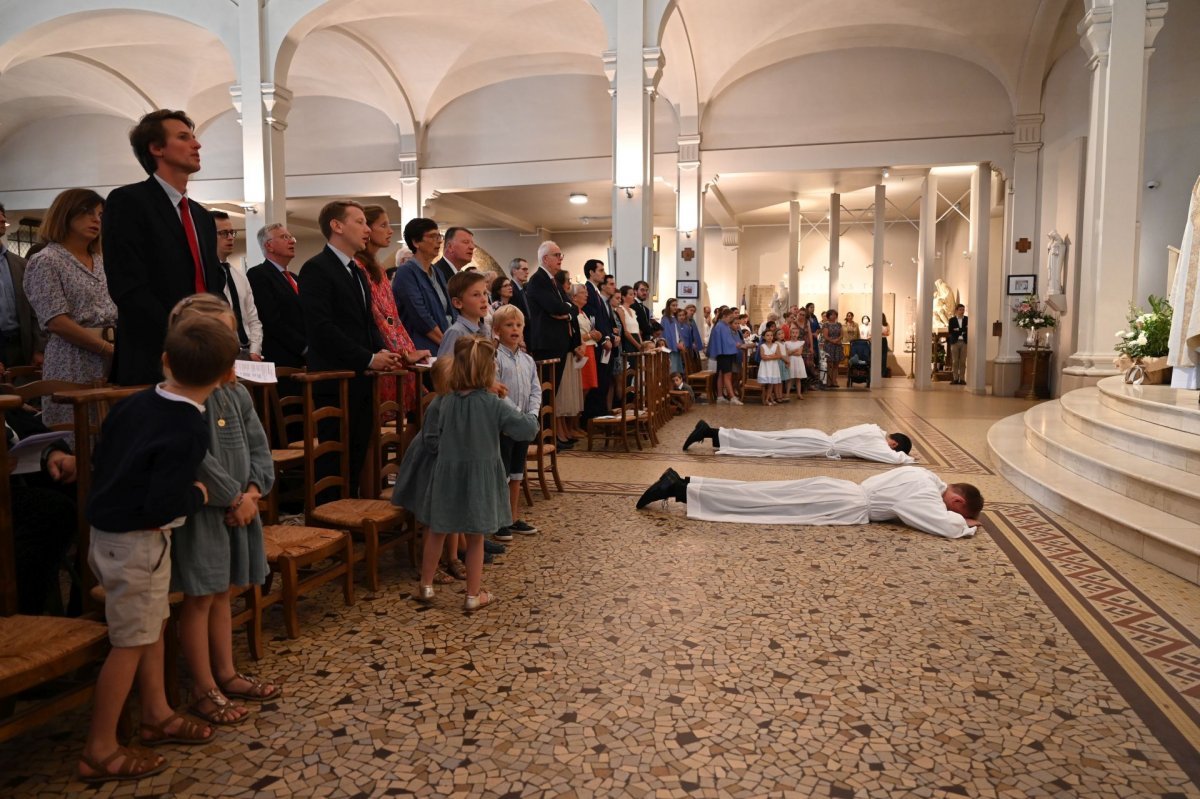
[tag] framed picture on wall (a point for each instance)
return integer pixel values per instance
(687, 289)
(1022, 285)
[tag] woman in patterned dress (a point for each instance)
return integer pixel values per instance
(831, 343)
(67, 288)
(383, 309)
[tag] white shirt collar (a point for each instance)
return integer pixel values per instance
(345, 259)
(277, 266)
(170, 395)
(172, 193)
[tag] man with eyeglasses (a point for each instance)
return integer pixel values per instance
(238, 292)
(276, 295)
(549, 311)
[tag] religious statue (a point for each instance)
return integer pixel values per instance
(944, 301)
(779, 303)
(1056, 251)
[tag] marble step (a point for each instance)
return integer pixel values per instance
(1144, 530)
(1085, 411)
(1142, 480)
(1162, 405)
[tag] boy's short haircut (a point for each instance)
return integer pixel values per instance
(505, 313)
(200, 350)
(675, 375)
(461, 281)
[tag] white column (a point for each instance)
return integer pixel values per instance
(262, 107)
(409, 196)
(1024, 212)
(793, 297)
(927, 247)
(633, 72)
(978, 327)
(1118, 37)
(835, 247)
(689, 228)
(877, 269)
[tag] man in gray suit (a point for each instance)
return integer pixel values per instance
(22, 339)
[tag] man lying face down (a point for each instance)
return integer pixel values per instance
(912, 495)
(866, 441)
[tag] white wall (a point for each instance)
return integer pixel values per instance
(328, 135)
(529, 119)
(857, 95)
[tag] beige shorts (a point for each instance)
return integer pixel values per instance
(134, 569)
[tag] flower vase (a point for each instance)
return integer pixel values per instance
(1031, 338)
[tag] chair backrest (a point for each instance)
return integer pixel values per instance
(15, 374)
(91, 406)
(314, 450)
(287, 408)
(38, 391)
(390, 435)
(8, 555)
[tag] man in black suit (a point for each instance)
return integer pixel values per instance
(518, 270)
(21, 338)
(597, 308)
(549, 311)
(159, 246)
(277, 297)
(641, 290)
(341, 329)
(457, 251)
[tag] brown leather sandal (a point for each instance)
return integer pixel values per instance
(258, 689)
(224, 713)
(189, 732)
(135, 766)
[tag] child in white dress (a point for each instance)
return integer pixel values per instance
(770, 356)
(794, 349)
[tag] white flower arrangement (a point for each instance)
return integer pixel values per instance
(1148, 333)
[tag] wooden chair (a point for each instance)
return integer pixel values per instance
(544, 448)
(644, 399)
(305, 558)
(364, 518)
(701, 380)
(618, 425)
(35, 650)
(750, 384)
(288, 461)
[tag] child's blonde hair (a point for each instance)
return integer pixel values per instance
(504, 313)
(474, 364)
(200, 304)
(439, 373)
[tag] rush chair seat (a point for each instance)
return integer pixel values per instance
(379, 524)
(35, 650)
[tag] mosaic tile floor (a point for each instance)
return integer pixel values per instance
(642, 654)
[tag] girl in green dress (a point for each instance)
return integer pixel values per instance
(469, 490)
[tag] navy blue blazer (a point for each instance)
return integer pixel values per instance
(338, 321)
(418, 303)
(597, 308)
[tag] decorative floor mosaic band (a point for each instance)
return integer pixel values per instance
(936, 449)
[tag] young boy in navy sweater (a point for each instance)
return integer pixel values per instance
(145, 466)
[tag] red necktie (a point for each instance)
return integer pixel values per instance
(292, 280)
(189, 228)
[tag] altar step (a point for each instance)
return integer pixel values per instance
(1120, 461)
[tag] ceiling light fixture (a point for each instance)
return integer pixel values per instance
(578, 199)
(887, 173)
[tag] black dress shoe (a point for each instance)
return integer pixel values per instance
(669, 486)
(564, 444)
(701, 431)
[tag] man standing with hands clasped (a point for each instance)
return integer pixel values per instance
(957, 340)
(341, 330)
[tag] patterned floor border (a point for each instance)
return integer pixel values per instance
(1152, 659)
(935, 448)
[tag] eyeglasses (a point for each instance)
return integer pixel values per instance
(433, 236)
(227, 234)
(285, 237)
